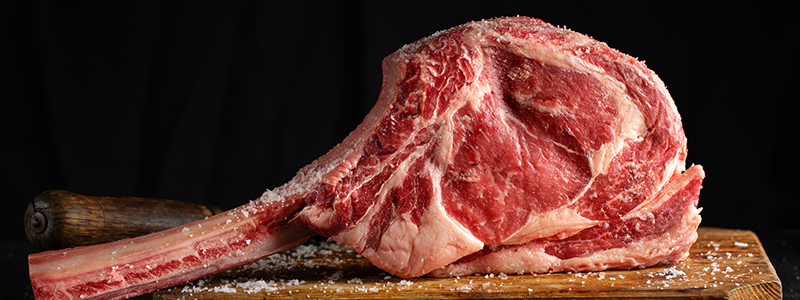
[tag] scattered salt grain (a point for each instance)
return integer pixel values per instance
(740, 244)
(335, 276)
(464, 288)
(355, 280)
(669, 273)
(715, 267)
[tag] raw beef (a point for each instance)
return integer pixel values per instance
(507, 145)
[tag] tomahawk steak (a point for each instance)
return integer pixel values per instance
(506, 145)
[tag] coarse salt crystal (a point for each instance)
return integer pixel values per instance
(464, 288)
(670, 273)
(355, 280)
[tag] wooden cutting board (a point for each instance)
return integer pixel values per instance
(723, 264)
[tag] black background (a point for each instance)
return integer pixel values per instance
(213, 103)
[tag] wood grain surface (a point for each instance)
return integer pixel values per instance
(723, 264)
(58, 219)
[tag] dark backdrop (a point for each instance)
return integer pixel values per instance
(213, 103)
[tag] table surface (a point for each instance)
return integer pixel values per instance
(782, 247)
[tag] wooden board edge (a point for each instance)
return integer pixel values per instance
(769, 288)
(764, 290)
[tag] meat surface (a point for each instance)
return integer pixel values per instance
(506, 145)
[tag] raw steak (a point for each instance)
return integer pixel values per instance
(507, 145)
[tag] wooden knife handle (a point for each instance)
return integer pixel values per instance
(59, 219)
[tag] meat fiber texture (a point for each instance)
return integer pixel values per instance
(511, 145)
(505, 145)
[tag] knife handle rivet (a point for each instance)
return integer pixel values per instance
(38, 222)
